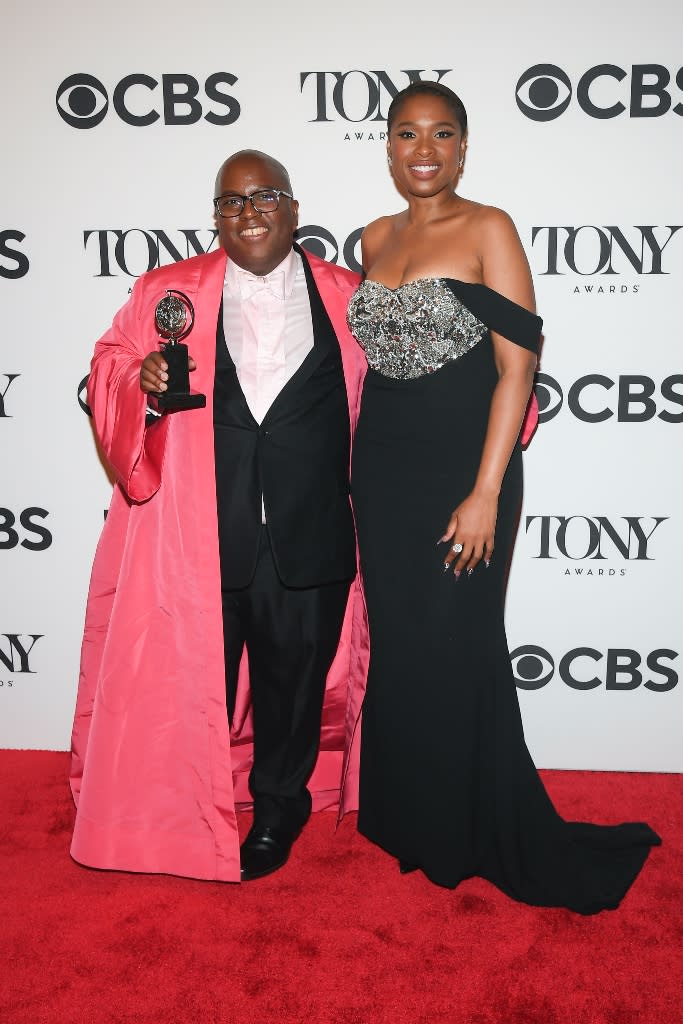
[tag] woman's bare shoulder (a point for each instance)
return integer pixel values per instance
(496, 223)
(377, 230)
(503, 261)
(495, 226)
(374, 238)
(492, 232)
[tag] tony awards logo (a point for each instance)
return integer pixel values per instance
(174, 317)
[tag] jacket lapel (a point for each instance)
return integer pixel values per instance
(324, 339)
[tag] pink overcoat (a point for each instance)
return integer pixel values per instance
(156, 776)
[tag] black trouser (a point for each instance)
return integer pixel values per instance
(291, 636)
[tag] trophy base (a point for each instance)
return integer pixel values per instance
(170, 400)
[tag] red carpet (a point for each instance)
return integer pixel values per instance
(336, 937)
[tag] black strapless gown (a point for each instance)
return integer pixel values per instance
(447, 782)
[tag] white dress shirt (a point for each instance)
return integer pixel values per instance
(268, 328)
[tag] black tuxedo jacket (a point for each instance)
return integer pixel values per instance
(298, 458)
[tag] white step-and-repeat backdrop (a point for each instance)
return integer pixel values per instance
(115, 119)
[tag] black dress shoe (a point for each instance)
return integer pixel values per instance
(265, 849)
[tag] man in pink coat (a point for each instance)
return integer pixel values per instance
(229, 540)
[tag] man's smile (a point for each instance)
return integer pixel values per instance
(255, 232)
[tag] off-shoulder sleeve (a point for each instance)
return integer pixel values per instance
(513, 321)
(500, 314)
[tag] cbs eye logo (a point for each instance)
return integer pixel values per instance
(316, 239)
(82, 101)
(544, 91)
(532, 667)
(549, 396)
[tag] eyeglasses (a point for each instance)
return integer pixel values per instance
(264, 200)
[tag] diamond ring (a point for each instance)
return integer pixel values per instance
(457, 548)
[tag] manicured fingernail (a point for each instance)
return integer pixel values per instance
(457, 573)
(487, 564)
(469, 572)
(446, 566)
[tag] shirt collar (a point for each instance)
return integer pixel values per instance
(279, 282)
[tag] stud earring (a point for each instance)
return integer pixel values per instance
(389, 160)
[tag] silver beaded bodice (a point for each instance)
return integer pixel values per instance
(412, 330)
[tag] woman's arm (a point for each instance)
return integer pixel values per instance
(504, 269)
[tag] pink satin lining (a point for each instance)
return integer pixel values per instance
(530, 421)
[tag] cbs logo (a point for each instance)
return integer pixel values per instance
(585, 668)
(83, 101)
(632, 398)
(545, 91)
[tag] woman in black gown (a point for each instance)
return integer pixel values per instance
(445, 316)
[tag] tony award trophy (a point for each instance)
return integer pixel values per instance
(174, 317)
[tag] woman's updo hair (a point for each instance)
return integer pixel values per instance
(428, 89)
